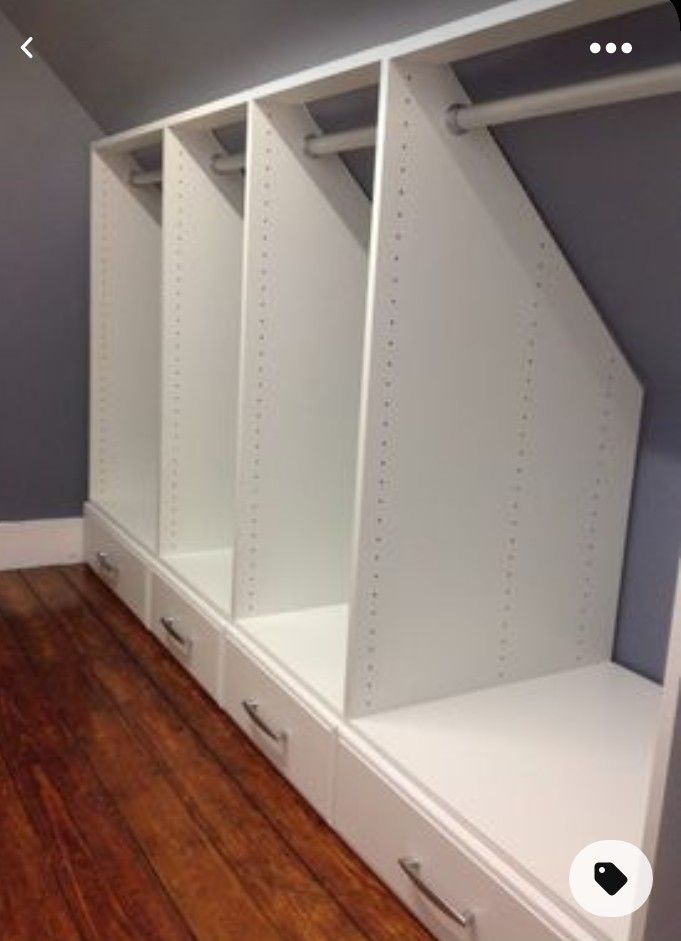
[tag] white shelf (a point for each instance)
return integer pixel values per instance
(538, 769)
(311, 643)
(209, 573)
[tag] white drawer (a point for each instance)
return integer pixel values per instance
(383, 828)
(122, 571)
(194, 640)
(299, 744)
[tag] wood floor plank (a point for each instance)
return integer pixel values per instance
(296, 903)
(378, 913)
(109, 888)
(31, 902)
(205, 889)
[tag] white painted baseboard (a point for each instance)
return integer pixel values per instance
(31, 543)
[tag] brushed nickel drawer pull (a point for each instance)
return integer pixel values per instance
(252, 710)
(106, 565)
(168, 625)
(412, 869)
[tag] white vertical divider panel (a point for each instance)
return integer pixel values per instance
(659, 919)
(307, 225)
(125, 317)
(501, 425)
(203, 247)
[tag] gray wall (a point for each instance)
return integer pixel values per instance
(609, 185)
(43, 278)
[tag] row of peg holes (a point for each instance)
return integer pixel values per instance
(518, 487)
(387, 413)
(260, 379)
(594, 512)
(175, 353)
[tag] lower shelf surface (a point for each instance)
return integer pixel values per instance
(538, 769)
(208, 572)
(311, 643)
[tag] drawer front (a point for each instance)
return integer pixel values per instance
(123, 572)
(384, 829)
(195, 641)
(299, 744)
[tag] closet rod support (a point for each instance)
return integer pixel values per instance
(647, 83)
(228, 163)
(145, 177)
(320, 145)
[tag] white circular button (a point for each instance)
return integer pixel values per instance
(595, 47)
(627, 48)
(611, 878)
(611, 47)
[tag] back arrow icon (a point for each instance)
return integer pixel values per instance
(24, 49)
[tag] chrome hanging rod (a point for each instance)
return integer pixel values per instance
(663, 80)
(320, 145)
(228, 163)
(145, 177)
(317, 145)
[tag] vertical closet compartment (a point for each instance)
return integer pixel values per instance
(203, 245)
(308, 221)
(126, 294)
(501, 432)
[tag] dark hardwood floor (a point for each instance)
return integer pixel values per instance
(131, 807)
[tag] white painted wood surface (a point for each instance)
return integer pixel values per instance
(31, 543)
(305, 289)
(501, 426)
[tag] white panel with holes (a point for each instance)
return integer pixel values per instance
(203, 247)
(126, 287)
(501, 425)
(305, 283)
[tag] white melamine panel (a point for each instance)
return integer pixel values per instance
(305, 282)
(311, 643)
(203, 239)
(501, 426)
(384, 827)
(301, 744)
(537, 769)
(126, 287)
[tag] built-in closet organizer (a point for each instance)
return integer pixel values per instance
(361, 458)
(308, 221)
(501, 426)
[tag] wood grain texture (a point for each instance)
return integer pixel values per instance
(140, 805)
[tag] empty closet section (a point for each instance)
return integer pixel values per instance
(308, 223)
(501, 432)
(203, 247)
(125, 324)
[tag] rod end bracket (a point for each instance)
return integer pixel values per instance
(452, 120)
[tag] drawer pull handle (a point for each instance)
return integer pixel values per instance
(168, 624)
(106, 565)
(412, 868)
(252, 710)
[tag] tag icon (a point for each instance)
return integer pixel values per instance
(609, 877)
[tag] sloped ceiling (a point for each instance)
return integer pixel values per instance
(128, 61)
